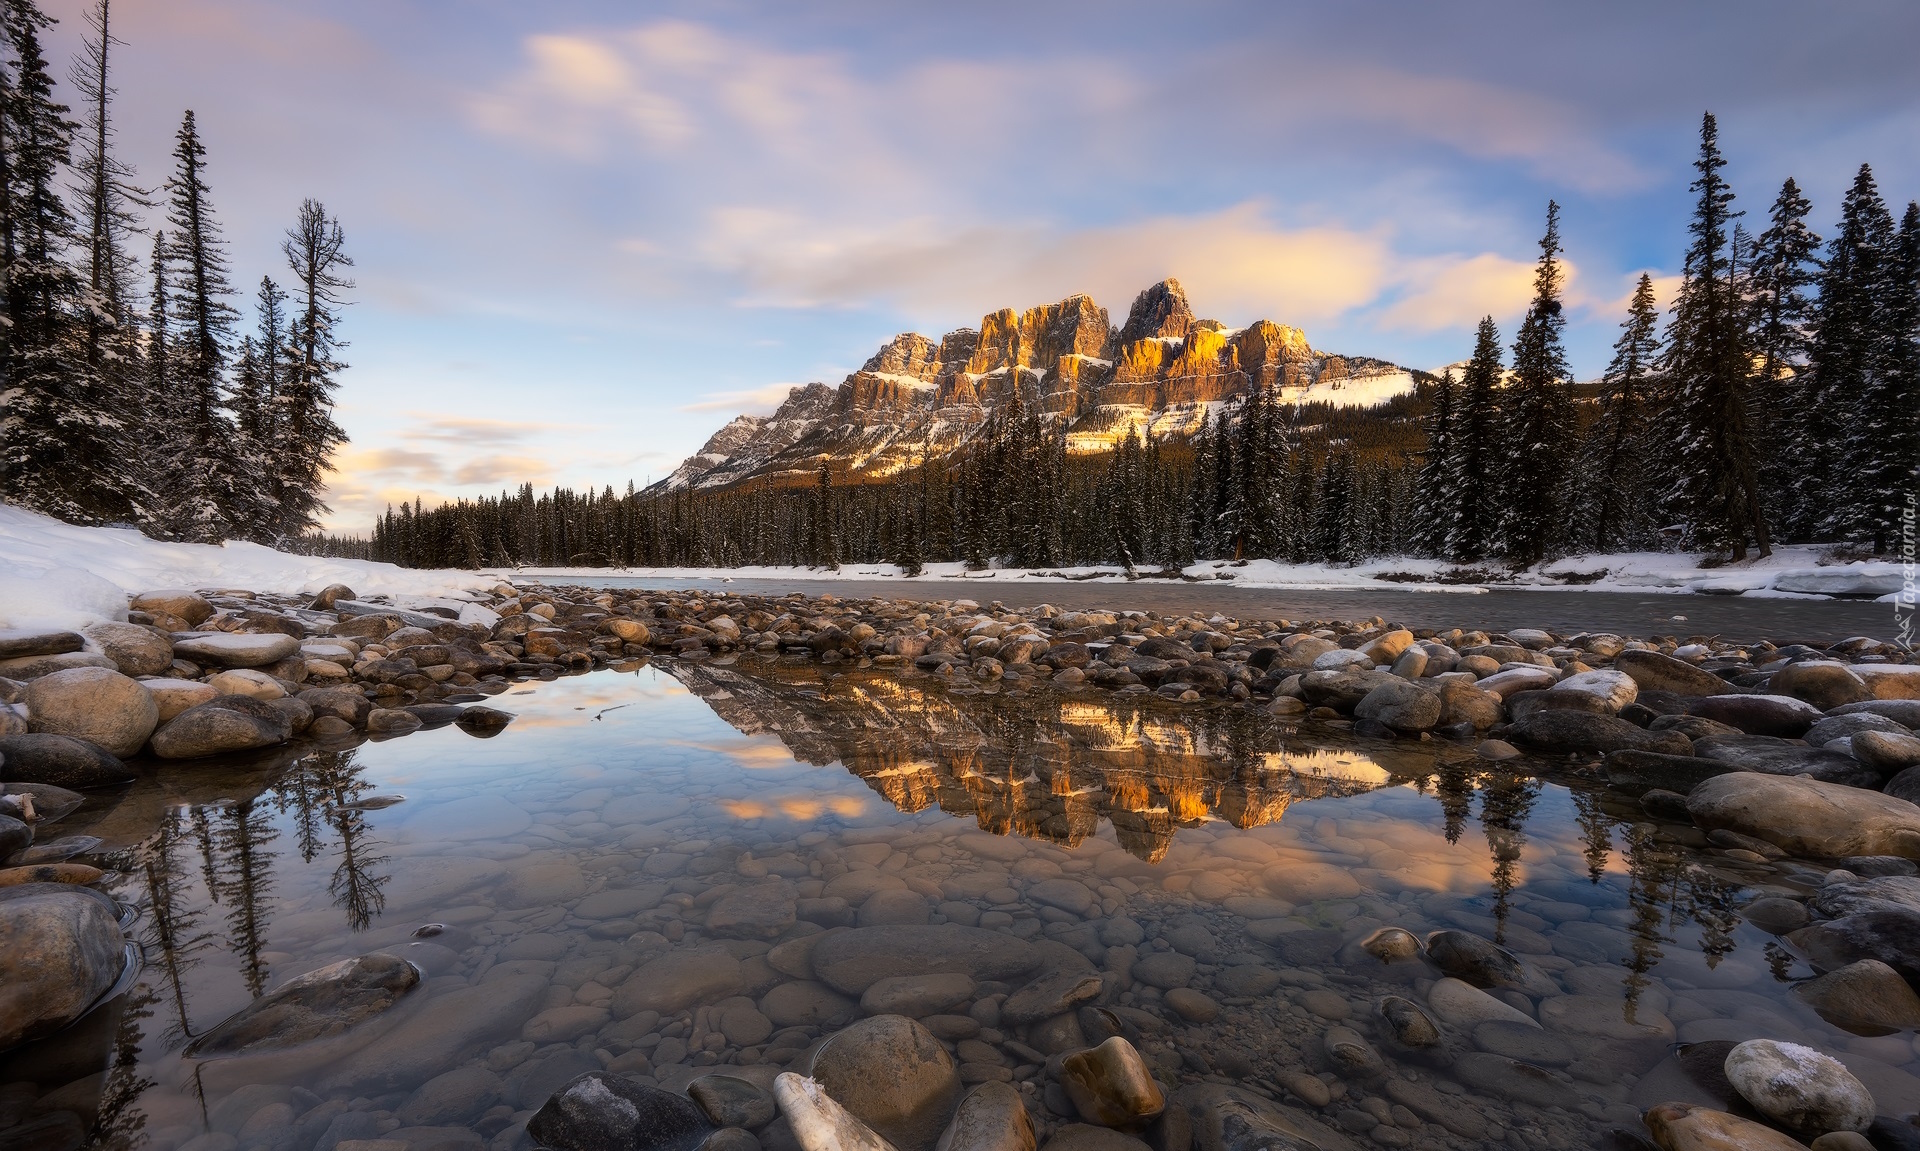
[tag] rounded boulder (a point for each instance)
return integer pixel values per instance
(92, 703)
(890, 1073)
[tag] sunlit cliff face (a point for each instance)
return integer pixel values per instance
(1045, 766)
(1159, 375)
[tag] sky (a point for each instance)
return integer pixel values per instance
(587, 234)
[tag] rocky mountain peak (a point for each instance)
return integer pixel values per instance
(1160, 312)
(1163, 372)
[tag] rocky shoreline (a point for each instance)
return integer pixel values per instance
(1793, 753)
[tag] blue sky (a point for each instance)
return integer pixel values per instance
(587, 234)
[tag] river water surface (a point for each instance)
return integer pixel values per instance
(1208, 849)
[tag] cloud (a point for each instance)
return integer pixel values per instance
(497, 471)
(753, 401)
(1456, 292)
(477, 432)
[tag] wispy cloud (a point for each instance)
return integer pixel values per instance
(753, 401)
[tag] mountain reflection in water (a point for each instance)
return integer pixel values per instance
(1047, 765)
(249, 872)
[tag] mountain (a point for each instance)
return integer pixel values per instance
(1161, 371)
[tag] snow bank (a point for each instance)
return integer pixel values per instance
(58, 575)
(1793, 572)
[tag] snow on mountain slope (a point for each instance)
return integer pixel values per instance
(1159, 372)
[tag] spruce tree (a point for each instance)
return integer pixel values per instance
(826, 543)
(1850, 358)
(1475, 510)
(1783, 267)
(62, 447)
(1432, 499)
(108, 199)
(1883, 442)
(1616, 467)
(210, 483)
(315, 249)
(1715, 483)
(1539, 420)
(1334, 535)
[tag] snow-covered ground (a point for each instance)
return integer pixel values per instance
(57, 575)
(1796, 572)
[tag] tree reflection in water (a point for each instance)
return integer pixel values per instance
(321, 793)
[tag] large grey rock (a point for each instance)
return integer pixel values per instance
(890, 1073)
(1050, 995)
(220, 727)
(100, 706)
(1807, 817)
(1905, 712)
(1822, 683)
(1798, 1087)
(16, 643)
(317, 1005)
(1891, 937)
(459, 1096)
(1692, 1127)
(852, 961)
(1478, 961)
(1342, 690)
(918, 996)
(1866, 997)
(990, 1118)
(1562, 730)
(1232, 1119)
(730, 1101)
(1886, 752)
(678, 980)
(1402, 706)
(1780, 715)
(60, 760)
(134, 650)
(603, 1112)
(1832, 727)
(1772, 755)
(1465, 703)
(1112, 1085)
(1639, 771)
(32, 667)
(434, 1039)
(757, 911)
(237, 649)
(1615, 687)
(1872, 893)
(1905, 785)
(60, 950)
(189, 606)
(1656, 672)
(1511, 1079)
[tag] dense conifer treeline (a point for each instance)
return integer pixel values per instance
(115, 412)
(1780, 400)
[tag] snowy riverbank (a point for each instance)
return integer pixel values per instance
(1799, 572)
(58, 575)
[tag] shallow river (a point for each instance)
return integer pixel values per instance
(1210, 849)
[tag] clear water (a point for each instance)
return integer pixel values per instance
(1261, 849)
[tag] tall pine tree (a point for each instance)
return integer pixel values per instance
(208, 485)
(1476, 439)
(62, 450)
(1539, 421)
(315, 249)
(1715, 483)
(1616, 515)
(1432, 499)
